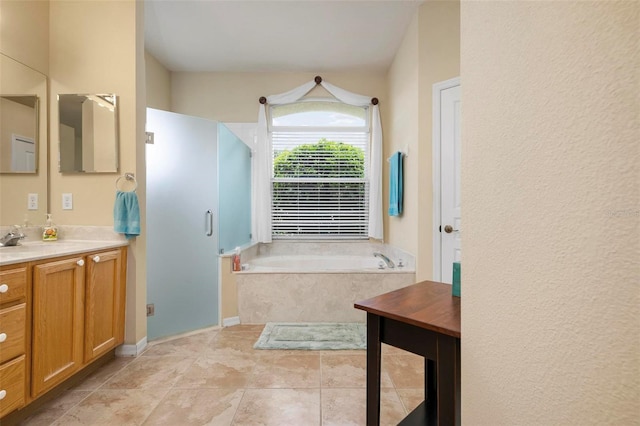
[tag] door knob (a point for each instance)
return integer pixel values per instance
(96, 259)
(80, 262)
(449, 229)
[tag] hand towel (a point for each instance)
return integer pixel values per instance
(395, 185)
(455, 287)
(126, 214)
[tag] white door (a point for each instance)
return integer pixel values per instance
(447, 149)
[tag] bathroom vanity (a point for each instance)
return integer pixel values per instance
(62, 307)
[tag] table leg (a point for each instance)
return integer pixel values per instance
(430, 389)
(430, 380)
(373, 369)
(448, 374)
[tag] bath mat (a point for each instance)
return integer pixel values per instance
(313, 336)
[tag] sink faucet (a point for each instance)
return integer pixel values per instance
(12, 237)
(388, 261)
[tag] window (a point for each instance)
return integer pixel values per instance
(320, 173)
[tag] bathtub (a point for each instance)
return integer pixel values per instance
(316, 282)
(318, 264)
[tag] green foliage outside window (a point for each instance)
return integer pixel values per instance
(325, 159)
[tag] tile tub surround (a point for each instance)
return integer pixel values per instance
(216, 377)
(317, 297)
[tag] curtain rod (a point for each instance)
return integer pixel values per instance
(318, 80)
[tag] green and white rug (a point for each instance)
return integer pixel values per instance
(313, 336)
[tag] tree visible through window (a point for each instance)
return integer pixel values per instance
(320, 177)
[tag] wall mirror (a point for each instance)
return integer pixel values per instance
(88, 133)
(23, 124)
(19, 133)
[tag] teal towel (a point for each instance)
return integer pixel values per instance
(126, 214)
(395, 185)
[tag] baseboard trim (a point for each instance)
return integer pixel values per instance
(228, 322)
(132, 350)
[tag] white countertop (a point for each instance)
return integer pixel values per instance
(37, 250)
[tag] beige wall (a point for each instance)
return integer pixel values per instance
(136, 327)
(430, 53)
(107, 61)
(439, 61)
(400, 134)
(98, 62)
(229, 289)
(24, 32)
(158, 84)
(550, 180)
(233, 97)
(24, 62)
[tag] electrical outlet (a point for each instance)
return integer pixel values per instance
(67, 201)
(32, 202)
(151, 310)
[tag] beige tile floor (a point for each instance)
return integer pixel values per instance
(217, 378)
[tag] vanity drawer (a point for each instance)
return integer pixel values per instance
(12, 331)
(13, 284)
(12, 385)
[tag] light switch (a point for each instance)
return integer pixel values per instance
(32, 202)
(67, 201)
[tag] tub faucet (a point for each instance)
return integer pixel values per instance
(388, 261)
(12, 237)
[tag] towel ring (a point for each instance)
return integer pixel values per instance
(129, 177)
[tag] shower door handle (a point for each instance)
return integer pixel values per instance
(209, 214)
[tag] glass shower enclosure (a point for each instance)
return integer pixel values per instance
(188, 216)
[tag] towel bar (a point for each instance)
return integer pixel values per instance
(129, 177)
(404, 153)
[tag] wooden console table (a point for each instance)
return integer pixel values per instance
(423, 318)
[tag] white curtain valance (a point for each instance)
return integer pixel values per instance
(262, 171)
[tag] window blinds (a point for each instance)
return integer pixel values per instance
(319, 183)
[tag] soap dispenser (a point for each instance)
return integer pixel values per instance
(50, 231)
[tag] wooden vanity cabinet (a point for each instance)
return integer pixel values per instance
(14, 336)
(58, 322)
(57, 316)
(78, 314)
(104, 303)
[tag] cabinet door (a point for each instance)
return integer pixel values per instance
(58, 294)
(104, 304)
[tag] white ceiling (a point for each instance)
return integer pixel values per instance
(266, 35)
